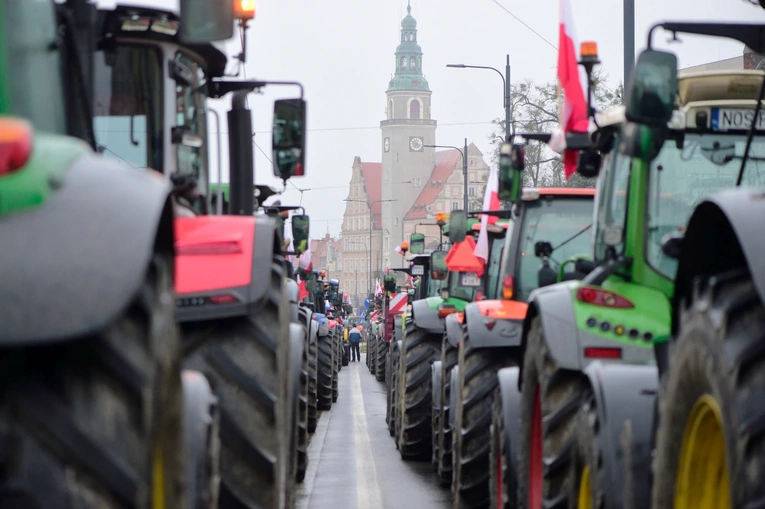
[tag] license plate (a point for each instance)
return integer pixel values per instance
(418, 270)
(470, 279)
(734, 119)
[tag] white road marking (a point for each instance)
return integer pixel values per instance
(367, 487)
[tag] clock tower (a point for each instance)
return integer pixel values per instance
(406, 162)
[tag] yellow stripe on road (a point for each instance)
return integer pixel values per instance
(367, 488)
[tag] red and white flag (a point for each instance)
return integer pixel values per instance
(305, 259)
(575, 115)
(378, 288)
(490, 202)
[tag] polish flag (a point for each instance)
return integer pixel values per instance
(490, 202)
(303, 291)
(305, 259)
(572, 78)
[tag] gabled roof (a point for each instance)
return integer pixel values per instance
(445, 162)
(371, 174)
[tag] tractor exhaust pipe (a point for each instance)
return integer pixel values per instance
(241, 166)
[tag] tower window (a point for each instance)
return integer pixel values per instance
(412, 63)
(403, 62)
(414, 109)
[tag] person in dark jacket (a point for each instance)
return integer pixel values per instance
(354, 338)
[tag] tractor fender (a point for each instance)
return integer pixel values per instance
(504, 333)
(625, 395)
(304, 316)
(426, 318)
(454, 378)
(511, 415)
(323, 323)
(292, 292)
(724, 233)
(246, 275)
(554, 304)
(200, 408)
(435, 377)
(453, 326)
(72, 266)
(313, 331)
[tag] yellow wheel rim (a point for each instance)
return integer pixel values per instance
(158, 480)
(585, 494)
(702, 474)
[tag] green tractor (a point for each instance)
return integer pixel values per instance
(421, 346)
(671, 305)
(94, 402)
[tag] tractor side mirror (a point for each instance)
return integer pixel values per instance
(438, 268)
(457, 226)
(289, 138)
(204, 21)
(300, 228)
(417, 243)
(588, 164)
(390, 283)
(652, 88)
(512, 162)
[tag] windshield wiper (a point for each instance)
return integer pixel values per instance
(750, 134)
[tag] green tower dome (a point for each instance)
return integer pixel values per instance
(408, 58)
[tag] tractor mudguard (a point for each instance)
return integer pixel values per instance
(511, 415)
(200, 408)
(71, 266)
(314, 332)
(554, 304)
(625, 395)
(504, 332)
(293, 292)
(724, 233)
(426, 318)
(229, 256)
(453, 325)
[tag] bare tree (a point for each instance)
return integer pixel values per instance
(535, 109)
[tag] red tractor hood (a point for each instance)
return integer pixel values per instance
(213, 253)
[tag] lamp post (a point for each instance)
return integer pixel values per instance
(464, 169)
(369, 205)
(505, 85)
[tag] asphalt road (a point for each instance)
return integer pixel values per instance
(353, 462)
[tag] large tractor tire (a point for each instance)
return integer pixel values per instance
(503, 457)
(202, 437)
(390, 413)
(380, 358)
(419, 351)
(325, 370)
(246, 360)
(302, 446)
(449, 358)
(371, 351)
(94, 422)
(552, 396)
(472, 420)
(335, 364)
(312, 383)
(710, 450)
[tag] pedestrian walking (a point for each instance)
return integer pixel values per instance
(354, 338)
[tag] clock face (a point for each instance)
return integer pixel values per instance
(415, 144)
(386, 144)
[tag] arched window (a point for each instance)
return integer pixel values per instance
(412, 63)
(414, 109)
(391, 109)
(403, 62)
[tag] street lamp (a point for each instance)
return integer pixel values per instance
(464, 168)
(505, 84)
(369, 205)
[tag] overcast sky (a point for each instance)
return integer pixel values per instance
(343, 53)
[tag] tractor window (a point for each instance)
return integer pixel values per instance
(457, 291)
(554, 220)
(191, 119)
(495, 261)
(680, 178)
(127, 105)
(612, 207)
(31, 75)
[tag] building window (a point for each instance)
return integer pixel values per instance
(412, 63)
(391, 109)
(455, 205)
(438, 206)
(362, 223)
(471, 191)
(414, 109)
(403, 62)
(396, 221)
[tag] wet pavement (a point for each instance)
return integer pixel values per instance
(353, 462)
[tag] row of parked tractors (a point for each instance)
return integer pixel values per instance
(609, 351)
(156, 348)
